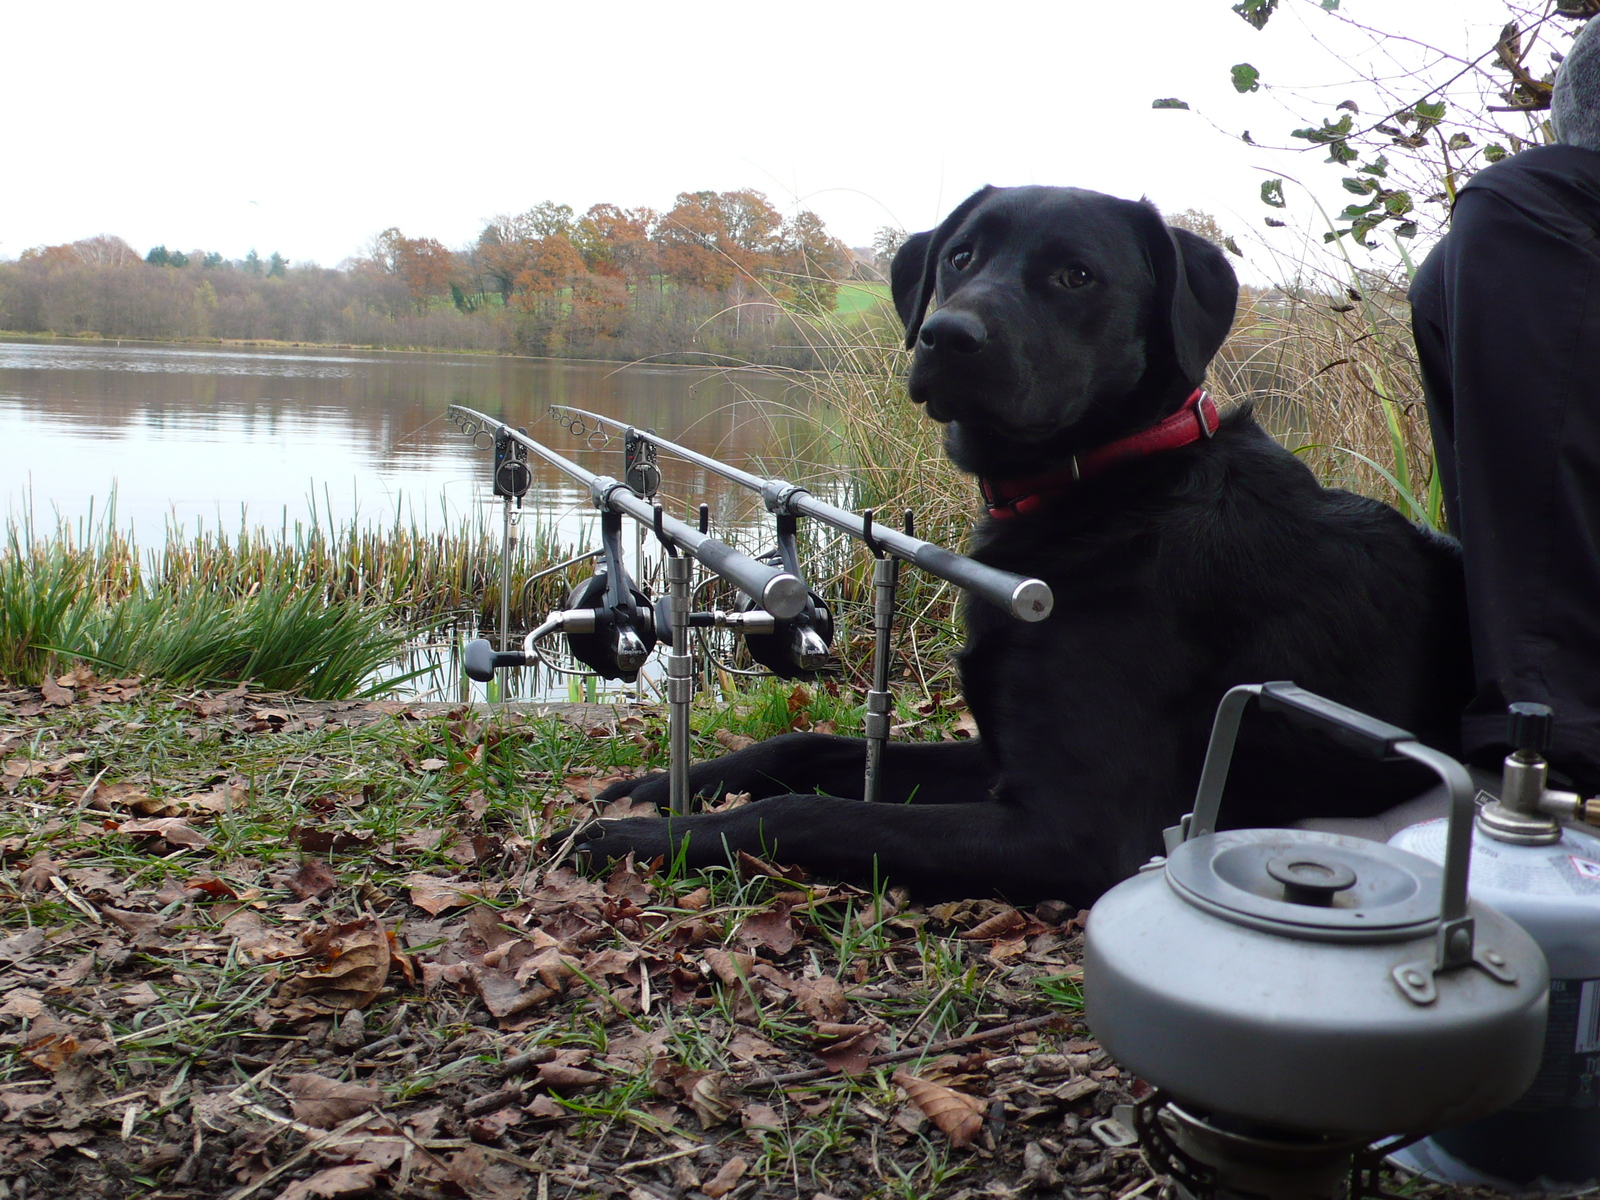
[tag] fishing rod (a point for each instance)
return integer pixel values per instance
(1025, 599)
(610, 625)
(794, 650)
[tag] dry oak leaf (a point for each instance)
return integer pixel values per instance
(259, 941)
(821, 999)
(480, 1177)
(172, 830)
(36, 876)
(733, 741)
(957, 1115)
(567, 1076)
(502, 995)
(357, 955)
(22, 1002)
(726, 1179)
(433, 895)
(1002, 923)
(708, 1098)
(732, 967)
(107, 796)
(352, 1179)
(850, 1046)
(627, 806)
(55, 695)
(772, 929)
(312, 879)
(750, 866)
(141, 925)
(325, 1102)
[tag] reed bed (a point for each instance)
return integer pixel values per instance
(315, 608)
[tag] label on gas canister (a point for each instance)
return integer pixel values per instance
(1569, 1077)
(1571, 867)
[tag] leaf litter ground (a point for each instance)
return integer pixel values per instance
(258, 947)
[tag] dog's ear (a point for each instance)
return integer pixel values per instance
(1197, 290)
(905, 274)
(915, 269)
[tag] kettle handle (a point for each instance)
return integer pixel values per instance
(1365, 735)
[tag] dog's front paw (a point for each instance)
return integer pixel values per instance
(645, 838)
(654, 788)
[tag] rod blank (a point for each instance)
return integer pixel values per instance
(1025, 599)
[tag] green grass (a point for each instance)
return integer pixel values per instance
(859, 297)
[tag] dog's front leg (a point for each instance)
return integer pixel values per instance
(918, 772)
(949, 850)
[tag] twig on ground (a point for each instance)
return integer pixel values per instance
(944, 1047)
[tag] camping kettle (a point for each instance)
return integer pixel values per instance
(1283, 986)
(1535, 863)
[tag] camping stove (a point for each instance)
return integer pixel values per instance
(1303, 1002)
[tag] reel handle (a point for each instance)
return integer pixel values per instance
(482, 660)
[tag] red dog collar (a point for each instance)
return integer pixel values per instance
(1197, 419)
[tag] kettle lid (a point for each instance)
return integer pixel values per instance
(1308, 885)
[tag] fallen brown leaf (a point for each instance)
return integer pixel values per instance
(733, 741)
(172, 830)
(56, 696)
(848, 1048)
(731, 967)
(821, 999)
(36, 876)
(352, 1179)
(433, 895)
(957, 1115)
(312, 879)
(726, 1179)
(260, 941)
(773, 929)
(1001, 923)
(325, 1102)
(357, 956)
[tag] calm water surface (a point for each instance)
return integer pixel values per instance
(193, 435)
(187, 434)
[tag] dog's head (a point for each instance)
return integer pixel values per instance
(1062, 318)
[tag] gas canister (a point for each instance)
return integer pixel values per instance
(1538, 866)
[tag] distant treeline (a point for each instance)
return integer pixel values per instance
(720, 275)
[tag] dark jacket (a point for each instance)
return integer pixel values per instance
(1506, 312)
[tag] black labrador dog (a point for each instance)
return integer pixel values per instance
(1069, 335)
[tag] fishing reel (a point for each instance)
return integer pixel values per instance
(797, 647)
(609, 624)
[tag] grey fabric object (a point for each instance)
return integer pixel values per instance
(1575, 105)
(1429, 806)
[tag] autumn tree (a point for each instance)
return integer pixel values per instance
(814, 261)
(711, 239)
(554, 265)
(617, 242)
(423, 265)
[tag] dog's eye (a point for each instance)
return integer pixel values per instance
(961, 259)
(1076, 276)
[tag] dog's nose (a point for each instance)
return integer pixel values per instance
(952, 329)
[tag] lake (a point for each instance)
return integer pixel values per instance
(224, 435)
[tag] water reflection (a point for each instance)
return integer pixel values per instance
(192, 434)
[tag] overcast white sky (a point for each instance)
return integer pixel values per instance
(307, 127)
